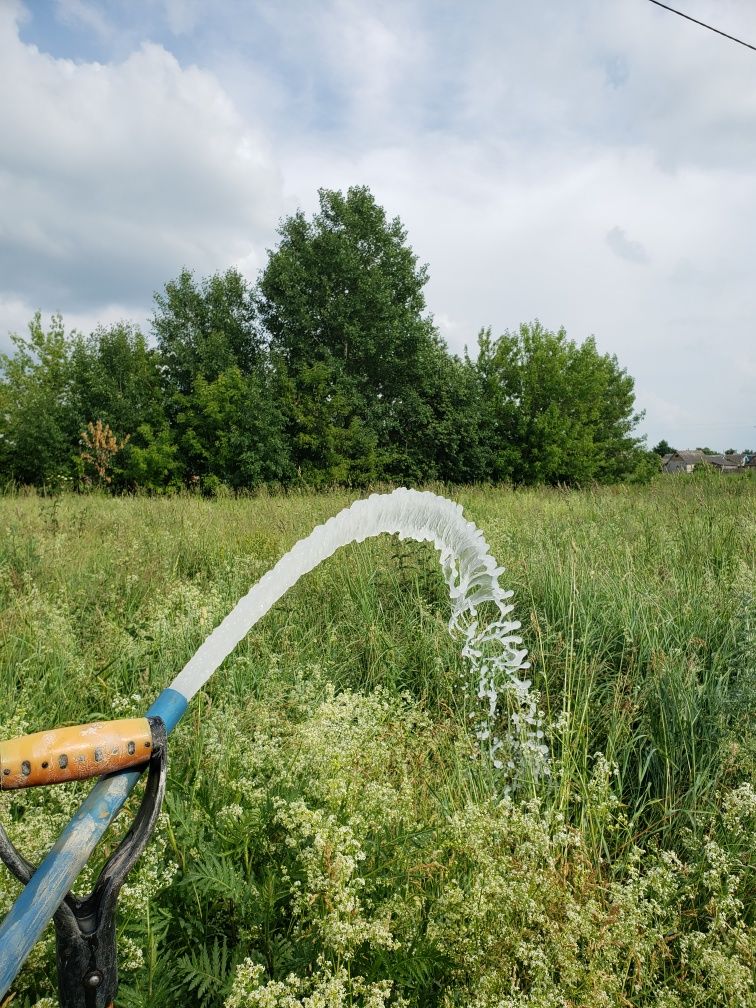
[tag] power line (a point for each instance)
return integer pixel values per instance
(703, 24)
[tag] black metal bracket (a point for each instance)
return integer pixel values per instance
(85, 928)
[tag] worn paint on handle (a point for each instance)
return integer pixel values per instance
(44, 893)
(76, 753)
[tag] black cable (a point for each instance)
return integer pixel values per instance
(703, 24)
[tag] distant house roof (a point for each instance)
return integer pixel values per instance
(734, 461)
(694, 458)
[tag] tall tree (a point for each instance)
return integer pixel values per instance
(116, 380)
(204, 328)
(38, 426)
(564, 413)
(440, 422)
(342, 301)
(221, 390)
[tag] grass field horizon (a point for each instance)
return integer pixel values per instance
(331, 835)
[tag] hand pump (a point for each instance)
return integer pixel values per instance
(85, 928)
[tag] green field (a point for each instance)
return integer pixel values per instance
(331, 837)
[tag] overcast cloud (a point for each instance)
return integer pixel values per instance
(591, 164)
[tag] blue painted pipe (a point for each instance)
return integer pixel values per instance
(47, 888)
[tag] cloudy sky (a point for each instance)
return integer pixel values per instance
(591, 163)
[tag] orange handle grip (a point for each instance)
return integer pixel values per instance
(66, 754)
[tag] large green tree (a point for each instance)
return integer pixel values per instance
(440, 427)
(342, 301)
(562, 411)
(202, 328)
(116, 378)
(38, 424)
(222, 394)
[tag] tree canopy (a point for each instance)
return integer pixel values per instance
(38, 422)
(204, 328)
(342, 301)
(663, 448)
(329, 369)
(562, 412)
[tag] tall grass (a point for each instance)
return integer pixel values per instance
(330, 831)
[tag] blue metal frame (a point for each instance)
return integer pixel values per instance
(44, 893)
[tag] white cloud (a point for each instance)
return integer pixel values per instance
(17, 314)
(115, 175)
(576, 145)
(506, 247)
(535, 156)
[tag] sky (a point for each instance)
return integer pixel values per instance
(589, 163)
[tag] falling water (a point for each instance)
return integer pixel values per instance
(492, 649)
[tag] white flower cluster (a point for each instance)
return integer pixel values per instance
(328, 987)
(127, 706)
(154, 871)
(739, 812)
(331, 856)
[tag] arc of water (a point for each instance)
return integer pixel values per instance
(493, 650)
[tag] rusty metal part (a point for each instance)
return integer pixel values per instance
(85, 928)
(77, 753)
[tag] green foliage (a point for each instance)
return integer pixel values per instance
(54, 385)
(329, 441)
(38, 422)
(663, 448)
(205, 973)
(345, 286)
(151, 459)
(115, 378)
(563, 413)
(438, 429)
(328, 372)
(203, 329)
(342, 300)
(330, 836)
(230, 428)
(222, 394)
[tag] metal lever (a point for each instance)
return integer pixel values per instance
(85, 929)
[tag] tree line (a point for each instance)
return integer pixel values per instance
(328, 370)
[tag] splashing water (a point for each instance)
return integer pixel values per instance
(492, 650)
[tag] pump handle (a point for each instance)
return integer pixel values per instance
(76, 753)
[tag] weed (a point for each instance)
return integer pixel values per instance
(330, 837)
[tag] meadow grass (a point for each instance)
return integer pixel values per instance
(331, 836)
